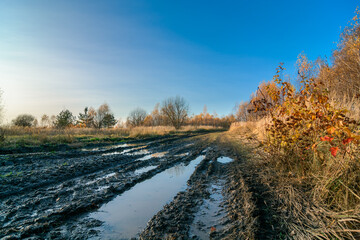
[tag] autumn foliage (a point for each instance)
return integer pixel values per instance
(312, 136)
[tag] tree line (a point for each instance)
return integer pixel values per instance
(173, 111)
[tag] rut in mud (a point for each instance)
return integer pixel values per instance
(170, 187)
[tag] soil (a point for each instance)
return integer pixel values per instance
(49, 195)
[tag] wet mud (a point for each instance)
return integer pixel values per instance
(178, 187)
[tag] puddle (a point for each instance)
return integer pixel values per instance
(159, 154)
(225, 160)
(211, 215)
(144, 170)
(97, 149)
(149, 156)
(128, 214)
(121, 146)
(90, 149)
(182, 154)
(141, 152)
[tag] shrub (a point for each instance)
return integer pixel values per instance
(24, 120)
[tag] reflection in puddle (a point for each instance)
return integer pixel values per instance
(211, 214)
(147, 157)
(127, 215)
(182, 154)
(159, 154)
(121, 145)
(144, 170)
(224, 159)
(141, 152)
(90, 150)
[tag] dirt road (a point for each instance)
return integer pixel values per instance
(177, 187)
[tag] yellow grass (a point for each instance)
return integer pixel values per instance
(15, 136)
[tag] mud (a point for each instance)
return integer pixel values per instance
(86, 193)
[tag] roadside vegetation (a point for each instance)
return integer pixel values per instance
(307, 135)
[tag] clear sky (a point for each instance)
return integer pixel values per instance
(72, 53)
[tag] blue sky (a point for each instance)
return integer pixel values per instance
(72, 54)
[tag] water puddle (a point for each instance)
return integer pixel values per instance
(224, 160)
(126, 151)
(141, 152)
(127, 214)
(144, 170)
(209, 218)
(97, 149)
(121, 145)
(149, 156)
(159, 154)
(182, 154)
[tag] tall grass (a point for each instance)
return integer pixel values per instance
(19, 136)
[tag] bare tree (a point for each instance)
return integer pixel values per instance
(45, 120)
(52, 120)
(176, 111)
(136, 117)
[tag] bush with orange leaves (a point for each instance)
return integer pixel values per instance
(309, 138)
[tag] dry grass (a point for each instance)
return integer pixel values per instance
(303, 204)
(18, 136)
(352, 104)
(256, 130)
(165, 130)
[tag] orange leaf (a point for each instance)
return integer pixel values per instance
(334, 151)
(348, 140)
(331, 130)
(326, 138)
(212, 229)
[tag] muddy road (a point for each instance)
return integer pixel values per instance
(178, 187)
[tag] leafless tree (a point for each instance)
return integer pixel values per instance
(136, 117)
(45, 120)
(176, 110)
(52, 120)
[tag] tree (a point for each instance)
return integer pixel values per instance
(24, 120)
(86, 118)
(136, 117)
(45, 120)
(176, 111)
(102, 117)
(64, 119)
(52, 121)
(109, 120)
